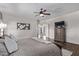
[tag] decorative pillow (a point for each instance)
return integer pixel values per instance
(13, 37)
(11, 44)
(3, 51)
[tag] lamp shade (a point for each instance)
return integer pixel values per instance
(2, 25)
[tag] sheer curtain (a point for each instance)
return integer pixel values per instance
(43, 31)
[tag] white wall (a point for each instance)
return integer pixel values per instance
(72, 26)
(12, 20)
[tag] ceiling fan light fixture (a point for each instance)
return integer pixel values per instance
(41, 15)
(42, 12)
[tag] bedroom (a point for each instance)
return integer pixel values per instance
(34, 34)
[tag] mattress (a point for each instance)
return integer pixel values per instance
(30, 47)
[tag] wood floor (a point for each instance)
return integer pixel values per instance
(69, 46)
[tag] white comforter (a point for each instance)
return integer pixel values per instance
(30, 47)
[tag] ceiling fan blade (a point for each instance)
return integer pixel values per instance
(44, 11)
(47, 14)
(35, 12)
(36, 15)
(41, 9)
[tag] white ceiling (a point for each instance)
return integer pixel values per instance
(27, 9)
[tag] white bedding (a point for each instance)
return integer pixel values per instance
(3, 51)
(30, 47)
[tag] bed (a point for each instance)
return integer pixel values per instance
(31, 47)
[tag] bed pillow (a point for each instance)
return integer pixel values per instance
(3, 51)
(10, 44)
(13, 37)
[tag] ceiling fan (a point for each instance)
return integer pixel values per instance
(42, 12)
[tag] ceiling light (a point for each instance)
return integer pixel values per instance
(41, 15)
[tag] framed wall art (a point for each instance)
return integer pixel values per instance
(23, 26)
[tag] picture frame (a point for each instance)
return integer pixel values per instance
(23, 26)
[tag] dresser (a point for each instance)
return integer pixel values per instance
(60, 34)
